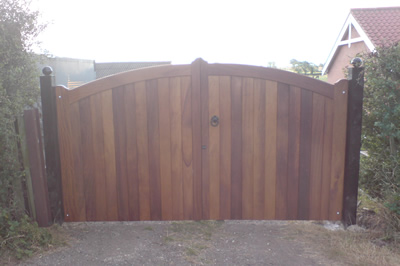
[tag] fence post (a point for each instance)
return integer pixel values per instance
(36, 167)
(353, 141)
(51, 148)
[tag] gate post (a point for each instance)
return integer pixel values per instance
(353, 141)
(51, 148)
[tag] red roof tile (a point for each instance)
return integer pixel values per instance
(382, 25)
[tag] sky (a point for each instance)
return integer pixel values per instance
(244, 32)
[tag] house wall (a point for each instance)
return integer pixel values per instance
(342, 60)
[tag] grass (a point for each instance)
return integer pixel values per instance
(57, 238)
(346, 247)
(194, 236)
(377, 244)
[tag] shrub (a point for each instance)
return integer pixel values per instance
(18, 90)
(380, 171)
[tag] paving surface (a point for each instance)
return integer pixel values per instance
(180, 243)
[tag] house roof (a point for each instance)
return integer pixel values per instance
(375, 27)
(381, 25)
(107, 69)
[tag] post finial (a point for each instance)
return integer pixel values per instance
(47, 71)
(356, 62)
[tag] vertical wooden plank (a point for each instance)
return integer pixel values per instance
(214, 148)
(88, 158)
(259, 149)
(77, 180)
(109, 156)
(66, 152)
(282, 151)
(121, 146)
(153, 149)
(225, 146)
(338, 150)
(248, 147)
(165, 148)
(37, 171)
(131, 161)
(196, 132)
(326, 160)
(187, 147)
(99, 159)
(176, 148)
(317, 145)
(205, 120)
(293, 152)
(25, 161)
(236, 161)
(305, 153)
(143, 152)
(271, 109)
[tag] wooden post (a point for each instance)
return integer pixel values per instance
(36, 167)
(353, 142)
(52, 155)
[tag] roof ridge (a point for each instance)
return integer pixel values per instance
(373, 8)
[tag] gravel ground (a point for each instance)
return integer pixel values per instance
(181, 243)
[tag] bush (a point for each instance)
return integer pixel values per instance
(380, 171)
(18, 90)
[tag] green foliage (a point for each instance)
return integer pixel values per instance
(380, 171)
(18, 90)
(22, 236)
(305, 68)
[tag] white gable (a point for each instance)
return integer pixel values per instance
(346, 29)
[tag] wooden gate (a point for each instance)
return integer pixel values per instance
(203, 141)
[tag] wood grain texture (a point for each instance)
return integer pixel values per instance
(259, 149)
(153, 149)
(282, 146)
(126, 78)
(131, 152)
(165, 148)
(305, 154)
(76, 182)
(236, 161)
(248, 147)
(88, 163)
(317, 144)
(109, 156)
(196, 127)
(225, 109)
(273, 74)
(97, 143)
(205, 120)
(326, 160)
(143, 150)
(293, 152)
(37, 167)
(187, 147)
(141, 147)
(214, 148)
(176, 148)
(271, 110)
(338, 150)
(121, 145)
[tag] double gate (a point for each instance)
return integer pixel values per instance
(203, 141)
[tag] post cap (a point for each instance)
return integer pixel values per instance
(356, 62)
(47, 71)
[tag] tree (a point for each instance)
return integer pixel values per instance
(305, 68)
(380, 172)
(19, 28)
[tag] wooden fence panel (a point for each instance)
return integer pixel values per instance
(140, 145)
